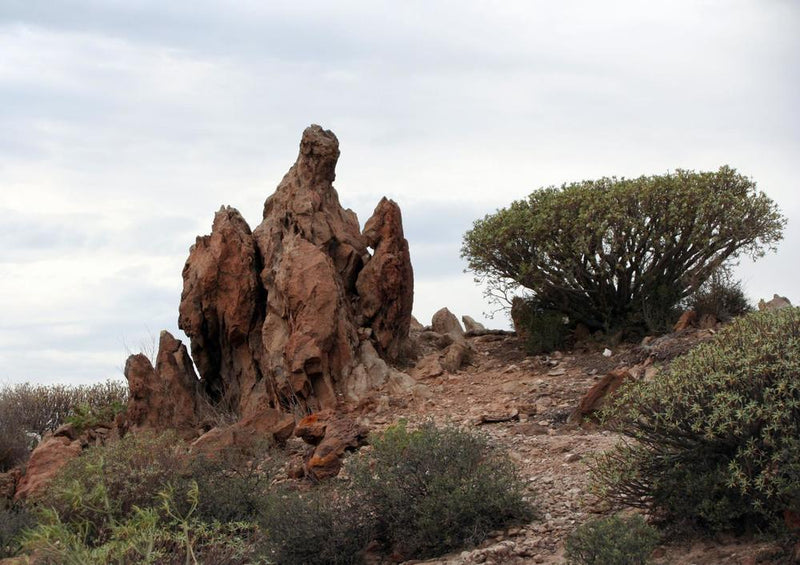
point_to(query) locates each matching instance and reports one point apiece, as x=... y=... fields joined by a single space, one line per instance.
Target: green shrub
x=611 y=541
x=716 y=440
x=27 y=409
x=163 y=534
x=325 y=526
x=622 y=253
x=436 y=489
x=104 y=484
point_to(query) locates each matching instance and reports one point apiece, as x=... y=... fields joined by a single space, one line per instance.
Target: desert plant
x=716 y=440
x=106 y=483
x=611 y=541
x=435 y=489
x=621 y=253
x=28 y=411
x=329 y=525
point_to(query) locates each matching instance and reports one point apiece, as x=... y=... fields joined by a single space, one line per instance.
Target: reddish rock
x=270 y=425
x=686 y=320
x=222 y=308
x=167 y=396
x=45 y=462
x=341 y=435
x=386 y=284
x=472 y=326
x=597 y=396
x=311 y=429
x=456 y=355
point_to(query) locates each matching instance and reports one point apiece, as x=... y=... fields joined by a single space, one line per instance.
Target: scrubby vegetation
x=28 y=411
x=147 y=499
x=622 y=253
x=716 y=441
x=614 y=540
x=721 y=296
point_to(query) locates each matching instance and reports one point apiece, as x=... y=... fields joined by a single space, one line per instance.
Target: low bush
x=433 y=490
x=716 y=440
x=106 y=483
x=325 y=526
x=611 y=541
x=28 y=411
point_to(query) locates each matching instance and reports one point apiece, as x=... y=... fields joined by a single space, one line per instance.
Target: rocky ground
x=523 y=403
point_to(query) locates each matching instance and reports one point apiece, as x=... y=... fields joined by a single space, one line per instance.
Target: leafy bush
x=105 y=483
x=163 y=534
x=436 y=489
x=611 y=541
x=621 y=253
x=326 y=526
x=717 y=439
x=720 y=296
x=27 y=409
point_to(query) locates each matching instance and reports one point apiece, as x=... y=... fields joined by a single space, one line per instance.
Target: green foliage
x=141 y=500
x=716 y=440
x=543 y=331
x=27 y=409
x=621 y=253
x=86 y=416
x=437 y=489
x=106 y=483
x=163 y=534
x=611 y=541
x=720 y=296
x=325 y=526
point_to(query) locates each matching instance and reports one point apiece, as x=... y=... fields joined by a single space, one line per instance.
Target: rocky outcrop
x=445 y=322
x=295 y=316
x=776 y=303
x=332 y=437
x=386 y=284
x=166 y=396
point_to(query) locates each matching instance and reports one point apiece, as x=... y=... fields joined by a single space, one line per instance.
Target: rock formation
x=292 y=317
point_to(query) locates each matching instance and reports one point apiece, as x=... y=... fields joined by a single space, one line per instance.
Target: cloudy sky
x=126 y=124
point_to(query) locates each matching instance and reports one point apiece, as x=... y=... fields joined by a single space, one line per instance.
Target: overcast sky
x=126 y=124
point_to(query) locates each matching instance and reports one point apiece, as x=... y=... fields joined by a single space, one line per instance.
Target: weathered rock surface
x=472 y=326
x=687 y=320
x=332 y=436
x=166 y=396
x=46 y=461
x=776 y=303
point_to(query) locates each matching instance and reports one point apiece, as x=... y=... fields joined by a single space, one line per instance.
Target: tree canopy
x=613 y=253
